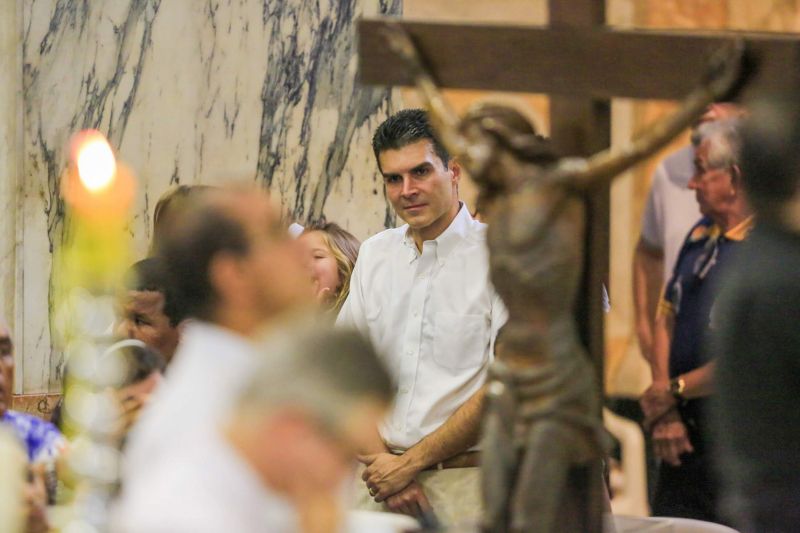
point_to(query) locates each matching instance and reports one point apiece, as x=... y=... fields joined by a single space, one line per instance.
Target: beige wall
x=626 y=371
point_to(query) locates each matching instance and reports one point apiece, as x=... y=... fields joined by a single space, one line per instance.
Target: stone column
x=11 y=170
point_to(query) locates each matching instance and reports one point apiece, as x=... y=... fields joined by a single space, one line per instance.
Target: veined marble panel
x=194 y=91
x=11 y=168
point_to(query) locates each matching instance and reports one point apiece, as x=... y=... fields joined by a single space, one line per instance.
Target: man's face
x=313 y=455
x=421 y=188
x=713 y=187
x=142 y=318
x=6 y=369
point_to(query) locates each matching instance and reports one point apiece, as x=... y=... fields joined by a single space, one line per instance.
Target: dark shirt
x=757 y=349
x=690 y=293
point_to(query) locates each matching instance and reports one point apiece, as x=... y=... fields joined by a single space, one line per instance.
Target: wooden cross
x=582 y=64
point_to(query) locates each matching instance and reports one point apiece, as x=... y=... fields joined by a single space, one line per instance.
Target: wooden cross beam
x=582 y=64
x=569 y=61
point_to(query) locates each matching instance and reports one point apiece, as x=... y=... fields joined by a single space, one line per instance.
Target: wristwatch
x=676 y=387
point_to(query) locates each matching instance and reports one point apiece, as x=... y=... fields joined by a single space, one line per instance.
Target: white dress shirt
x=433 y=316
x=212 y=489
x=208 y=371
x=207 y=489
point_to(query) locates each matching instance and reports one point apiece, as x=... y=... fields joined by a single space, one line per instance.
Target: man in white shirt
x=236 y=270
x=278 y=461
x=422 y=294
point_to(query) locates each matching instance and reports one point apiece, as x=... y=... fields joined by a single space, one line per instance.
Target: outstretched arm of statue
x=725 y=76
x=443 y=118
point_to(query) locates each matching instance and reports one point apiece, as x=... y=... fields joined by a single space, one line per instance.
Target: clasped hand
x=671 y=439
x=386 y=474
x=390 y=478
x=656 y=401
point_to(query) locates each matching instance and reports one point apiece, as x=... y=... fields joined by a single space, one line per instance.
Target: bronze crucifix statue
x=542 y=425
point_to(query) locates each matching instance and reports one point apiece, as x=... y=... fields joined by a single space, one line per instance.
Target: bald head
x=225 y=255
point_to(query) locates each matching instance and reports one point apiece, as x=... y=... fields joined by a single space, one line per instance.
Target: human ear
x=455 y=168
x=736 y=179
x=736 y=176
x=224 y=274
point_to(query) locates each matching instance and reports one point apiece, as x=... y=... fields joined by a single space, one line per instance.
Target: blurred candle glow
x=96 y=186
x=96 y=163
x=98 y=193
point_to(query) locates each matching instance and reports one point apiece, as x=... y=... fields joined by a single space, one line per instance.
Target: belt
x=462 y=460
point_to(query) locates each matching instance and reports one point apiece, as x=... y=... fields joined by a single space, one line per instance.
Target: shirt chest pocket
x=460 y=341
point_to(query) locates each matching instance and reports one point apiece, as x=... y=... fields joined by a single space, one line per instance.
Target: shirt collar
x=449 y=239
x=202 y=337
x=741 y=230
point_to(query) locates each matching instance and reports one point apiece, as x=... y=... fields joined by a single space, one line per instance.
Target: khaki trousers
x=454 y=493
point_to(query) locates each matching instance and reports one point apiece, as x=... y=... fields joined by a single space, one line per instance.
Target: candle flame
x=97 y=166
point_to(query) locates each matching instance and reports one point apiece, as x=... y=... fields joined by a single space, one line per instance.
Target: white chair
x=686 y=525
x=635 y=524
x=630 y=488
x=377 y=522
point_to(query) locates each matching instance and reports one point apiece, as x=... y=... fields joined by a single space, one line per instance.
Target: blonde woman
x=331 y=254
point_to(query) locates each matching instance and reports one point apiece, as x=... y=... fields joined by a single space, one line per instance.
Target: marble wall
x=189 y=92
x=198 y=91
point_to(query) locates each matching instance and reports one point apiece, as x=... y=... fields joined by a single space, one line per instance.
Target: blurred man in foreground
x=278 y=461
x=758 y=342
x=236 y=271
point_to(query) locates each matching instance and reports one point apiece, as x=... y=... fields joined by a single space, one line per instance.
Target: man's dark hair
x=770 y=155
x=403 y=128
x=149 y=275
x=205 y=229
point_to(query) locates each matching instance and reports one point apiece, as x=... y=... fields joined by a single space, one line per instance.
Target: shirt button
x=416 y=314
x=404 y=390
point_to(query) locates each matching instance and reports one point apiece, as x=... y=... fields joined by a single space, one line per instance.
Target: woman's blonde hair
x=344 y=247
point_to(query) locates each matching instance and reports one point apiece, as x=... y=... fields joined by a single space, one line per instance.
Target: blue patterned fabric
x=41 y=439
